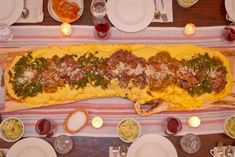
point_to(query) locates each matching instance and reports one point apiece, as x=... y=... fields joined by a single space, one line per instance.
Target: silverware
x=115 y=151
x=157 y=13
x=123 y=151
x=163 y=13
x=25 y=12
x=220 y=152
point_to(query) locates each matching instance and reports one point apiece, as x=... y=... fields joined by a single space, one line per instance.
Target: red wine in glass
x=172 y=126
x=229 y=33
x=102 y=28
x=45 y=127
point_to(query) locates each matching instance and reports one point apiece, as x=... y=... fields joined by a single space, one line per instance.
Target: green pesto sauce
x=203 y=64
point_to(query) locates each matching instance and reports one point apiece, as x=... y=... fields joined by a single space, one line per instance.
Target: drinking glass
x=98 y=8
x=172 y=125
x=229 y=33
x=190 y=143
x=45 y=127
x=63 y=144
x=102 y=28
x=5 y=32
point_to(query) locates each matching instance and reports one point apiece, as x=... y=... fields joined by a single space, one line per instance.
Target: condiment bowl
x=11 y=129
x=229 y=126
x=187 y=3
x=128 y=130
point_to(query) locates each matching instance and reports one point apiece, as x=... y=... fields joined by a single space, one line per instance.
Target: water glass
x=102 y=28
x=229 y=33
x=45 y=127
x=98 y=8
x=172 y=125
x=190 y=143
x=5 y=32
x=63 y=144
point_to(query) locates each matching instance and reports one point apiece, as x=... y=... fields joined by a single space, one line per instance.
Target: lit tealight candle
x=194 y=121
x=189 y=29
x=66 y=28
x=97 y=122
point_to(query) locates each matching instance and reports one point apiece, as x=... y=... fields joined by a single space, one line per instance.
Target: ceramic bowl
x=229 y=126
x=187 y=3
x=12 y=123
x=128 y=130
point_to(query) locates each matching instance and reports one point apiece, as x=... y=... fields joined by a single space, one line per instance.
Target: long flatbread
x=170 y=98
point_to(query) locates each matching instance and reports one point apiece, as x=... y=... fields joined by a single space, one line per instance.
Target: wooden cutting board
x=8 y=54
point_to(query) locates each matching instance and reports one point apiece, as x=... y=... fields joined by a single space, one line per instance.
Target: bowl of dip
x=229 y=126
x=11 y=129
x=128 y=130
x=187 y=3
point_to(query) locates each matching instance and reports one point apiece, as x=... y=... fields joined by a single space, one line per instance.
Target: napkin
x=35 y=12
x=168 y=8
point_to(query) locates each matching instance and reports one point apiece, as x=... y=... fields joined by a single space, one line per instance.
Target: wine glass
x=229 y=33
x=98 y=8
x=190 y=143
x=172 y=125
x=45 y=127
x=102 y=28
x=5 y=32
x=63 y=144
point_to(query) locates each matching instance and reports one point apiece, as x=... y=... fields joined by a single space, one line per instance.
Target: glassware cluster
x=101 y=23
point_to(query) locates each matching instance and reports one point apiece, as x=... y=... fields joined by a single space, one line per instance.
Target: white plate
x=10 y=11
x=130 y=15
x=55 y=17
x=31 y=147
x=230 y=8
x=152 y=145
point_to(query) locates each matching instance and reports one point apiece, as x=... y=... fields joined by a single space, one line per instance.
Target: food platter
x=151 y=144
x=130 y=15
x=10 y=11
x=12 y=104
x=29 y=147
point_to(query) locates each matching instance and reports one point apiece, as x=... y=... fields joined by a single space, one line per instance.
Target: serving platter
x=11 y=105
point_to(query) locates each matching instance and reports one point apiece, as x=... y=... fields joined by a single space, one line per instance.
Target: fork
x=220 y=151
x=163 y=13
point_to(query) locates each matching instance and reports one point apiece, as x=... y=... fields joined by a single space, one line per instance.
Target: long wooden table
x=204 y=13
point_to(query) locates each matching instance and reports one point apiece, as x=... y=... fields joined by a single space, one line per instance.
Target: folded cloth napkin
x=35 y=12
x=168 y=8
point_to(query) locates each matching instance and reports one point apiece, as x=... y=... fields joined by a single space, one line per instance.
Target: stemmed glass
x=229 y=33
x=98 y=8
x=5 y=32
x=102 y=25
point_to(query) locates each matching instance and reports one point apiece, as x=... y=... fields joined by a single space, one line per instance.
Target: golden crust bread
x=174 y=98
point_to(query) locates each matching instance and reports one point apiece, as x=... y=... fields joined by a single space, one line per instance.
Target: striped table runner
x=115 y=109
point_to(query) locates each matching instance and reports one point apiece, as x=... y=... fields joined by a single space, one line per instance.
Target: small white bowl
x=182 y=3
x=128 y=122
x=2 y=134
x=227 y=121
